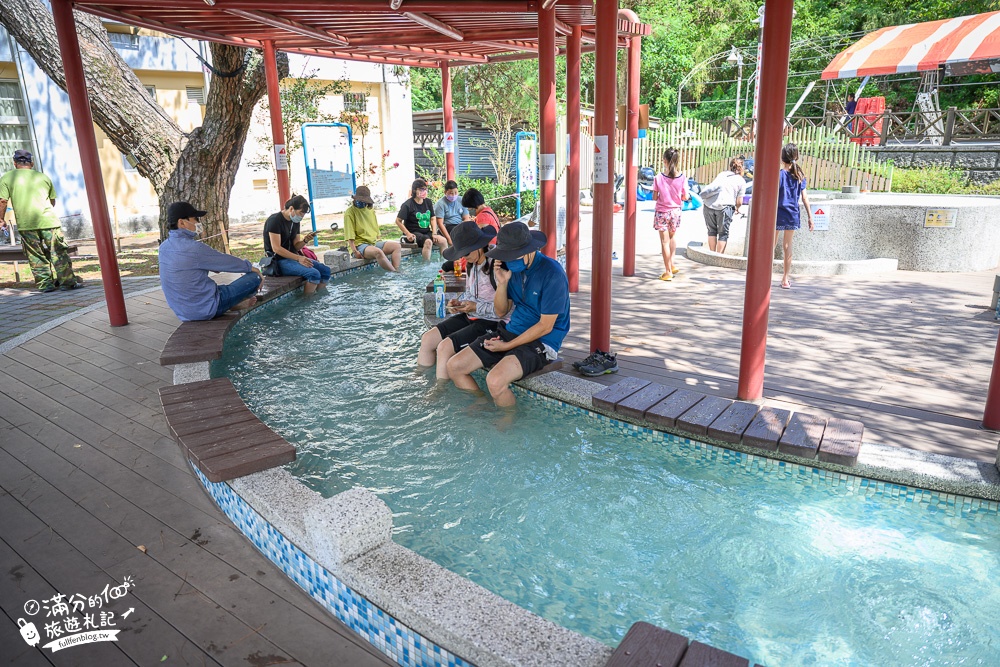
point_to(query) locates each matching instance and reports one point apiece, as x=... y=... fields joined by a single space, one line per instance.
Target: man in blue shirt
x=184 y=266
x=449 y=211
x=536 y=289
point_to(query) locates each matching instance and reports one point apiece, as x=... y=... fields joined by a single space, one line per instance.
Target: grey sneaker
x=607 y=363
x=596 y=355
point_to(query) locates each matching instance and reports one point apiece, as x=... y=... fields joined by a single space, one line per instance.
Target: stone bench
x=192 y=342
x=646 y=645
x=699 y=415
x=218 y=433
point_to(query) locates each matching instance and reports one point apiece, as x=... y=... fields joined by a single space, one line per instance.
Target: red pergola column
x=277 y=127
x=991 y=415
x=631 y=152
x=604 y=173
x=573 y=168
x=83 y=122
x=547 y=126
x=449 y=120
x=764 y=205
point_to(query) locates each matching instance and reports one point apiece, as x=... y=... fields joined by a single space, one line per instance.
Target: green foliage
x=492 y=192
x=940 y=181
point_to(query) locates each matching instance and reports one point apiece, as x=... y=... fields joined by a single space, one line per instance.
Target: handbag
x=269 y=266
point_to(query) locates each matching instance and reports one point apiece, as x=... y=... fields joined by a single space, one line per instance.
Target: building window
x=14 y=130
x=260 y=184
x=196 y=94
x=151 y=90
x=124 y=40
x=128 y=166
x=355 y=102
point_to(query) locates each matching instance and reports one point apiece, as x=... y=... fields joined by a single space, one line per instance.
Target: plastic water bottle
x=439 y=294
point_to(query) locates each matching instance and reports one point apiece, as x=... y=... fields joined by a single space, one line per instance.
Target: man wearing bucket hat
x=534 y=291
x=33 y=197
x=475 y=314
x=361 y=231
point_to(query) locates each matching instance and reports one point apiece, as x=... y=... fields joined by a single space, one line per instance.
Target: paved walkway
x=89 y=474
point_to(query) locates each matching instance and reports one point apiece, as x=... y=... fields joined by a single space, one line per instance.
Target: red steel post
x=631 y=153
x=83 y=122
x=547 y=126
x=604 y=173
x=573 y=168
x=277 y=127
x=764 y=205
x=991 y=415
x=449 y=120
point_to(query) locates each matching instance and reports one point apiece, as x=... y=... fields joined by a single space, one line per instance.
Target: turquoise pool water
x=595 y=525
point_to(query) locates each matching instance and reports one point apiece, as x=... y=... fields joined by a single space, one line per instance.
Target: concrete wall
x=981 y=164
x=892 y=226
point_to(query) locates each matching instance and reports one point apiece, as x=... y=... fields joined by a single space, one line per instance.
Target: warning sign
x=601 y=159
x=821 y=217
x=280 y=157
x=449 y=142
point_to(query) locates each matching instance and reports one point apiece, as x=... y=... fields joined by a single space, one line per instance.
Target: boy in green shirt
x=32 y=196
x=361 y=230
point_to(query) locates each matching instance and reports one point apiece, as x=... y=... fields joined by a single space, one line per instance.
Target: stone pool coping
x=347 y=539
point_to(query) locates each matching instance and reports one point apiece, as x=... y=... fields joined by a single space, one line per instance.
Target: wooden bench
x=192 y=342
x=806 y=436
x=15 y=253
x=218 y=433
x=646 y=645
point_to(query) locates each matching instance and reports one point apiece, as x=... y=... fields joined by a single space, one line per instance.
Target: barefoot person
x=282 y=239
x=417 y=222
x=475 y=314
x=793 y=189
x=361 y=230
x=536 y=288
x=184 y=266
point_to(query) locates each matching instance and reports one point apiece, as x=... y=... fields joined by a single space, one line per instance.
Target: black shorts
x=462 y=330
x=531 y=355
x=422 y=238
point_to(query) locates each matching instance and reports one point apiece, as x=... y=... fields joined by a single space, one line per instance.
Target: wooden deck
x=908 y=354
x=89 y=472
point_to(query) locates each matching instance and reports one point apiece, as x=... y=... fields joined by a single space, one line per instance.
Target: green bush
x=939 y=181
x=496 y=195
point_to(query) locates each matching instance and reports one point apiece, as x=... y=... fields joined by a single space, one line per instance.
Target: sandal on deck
x=666 y=276
x=786 y=284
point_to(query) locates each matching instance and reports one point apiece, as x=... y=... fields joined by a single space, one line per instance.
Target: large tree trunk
x=199 y=167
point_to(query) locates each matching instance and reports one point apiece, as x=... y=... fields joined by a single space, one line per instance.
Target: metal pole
x=756 y=89
x=573 y=168
x=631 y=152
x=547 y=126
x=83 y=121
x=277 y=127
x=739 y=81
x=449 y=121
x=604 y=169
x=764 y=205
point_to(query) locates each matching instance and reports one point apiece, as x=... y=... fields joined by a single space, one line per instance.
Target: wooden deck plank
x=618 y=392
x=703 y=655
x=730 y=425
x=802 y=435
x=666 y=412
x=841 y=441
x=262 y=455
x=638 y=403
x=645 y=645
x=702 y=414
x=766 y=428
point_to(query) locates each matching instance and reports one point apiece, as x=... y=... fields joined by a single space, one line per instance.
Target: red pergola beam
x=160 y=26
x=407 y=62
x=434 y=24
x=355 y=6
x=290 y=26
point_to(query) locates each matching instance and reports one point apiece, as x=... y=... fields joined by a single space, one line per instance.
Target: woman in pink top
x=670 y=192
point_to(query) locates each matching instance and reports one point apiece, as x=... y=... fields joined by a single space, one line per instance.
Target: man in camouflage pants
x=32 y=196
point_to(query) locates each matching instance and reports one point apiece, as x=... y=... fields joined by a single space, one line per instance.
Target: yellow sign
x=941 y=217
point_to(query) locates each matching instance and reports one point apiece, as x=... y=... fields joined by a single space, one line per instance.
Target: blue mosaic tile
x=396 y=640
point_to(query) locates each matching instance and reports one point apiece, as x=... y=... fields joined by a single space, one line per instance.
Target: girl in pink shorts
x=670 y=192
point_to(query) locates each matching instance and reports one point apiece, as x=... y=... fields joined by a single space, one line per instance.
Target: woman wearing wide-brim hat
x=475 y=315
x=533 y=290
x=361 y=231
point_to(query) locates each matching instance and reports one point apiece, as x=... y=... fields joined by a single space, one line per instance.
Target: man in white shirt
x=719 y=213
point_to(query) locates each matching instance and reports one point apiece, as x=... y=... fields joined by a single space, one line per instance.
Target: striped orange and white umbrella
x=919 y=47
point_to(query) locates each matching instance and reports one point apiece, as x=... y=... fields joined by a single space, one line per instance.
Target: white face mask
x=297 y=218
x=199 y=228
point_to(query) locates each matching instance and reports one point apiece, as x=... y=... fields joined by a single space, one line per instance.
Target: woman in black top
x=283 y=240
x=417 y=222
